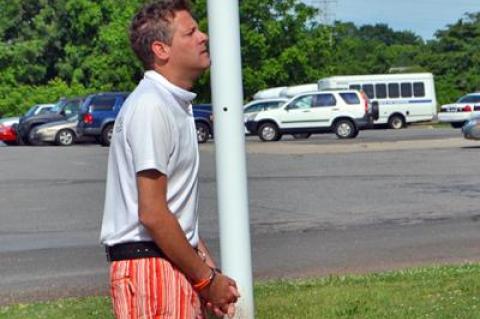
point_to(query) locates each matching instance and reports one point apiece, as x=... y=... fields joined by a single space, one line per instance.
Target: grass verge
x=433 y=292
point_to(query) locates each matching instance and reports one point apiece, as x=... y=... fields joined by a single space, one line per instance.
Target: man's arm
x=165 y=230
x=203 y=250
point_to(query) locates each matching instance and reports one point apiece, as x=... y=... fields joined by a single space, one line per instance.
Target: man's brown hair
x=152 y=23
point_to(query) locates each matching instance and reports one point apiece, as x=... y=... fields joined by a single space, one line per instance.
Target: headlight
x=250 y=117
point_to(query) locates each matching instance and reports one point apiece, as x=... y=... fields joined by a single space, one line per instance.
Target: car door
x=324 y=105
x=298 y=113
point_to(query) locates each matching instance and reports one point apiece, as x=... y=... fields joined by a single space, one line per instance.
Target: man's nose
x=204 y=37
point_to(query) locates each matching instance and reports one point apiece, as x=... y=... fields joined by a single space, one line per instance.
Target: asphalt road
x=385 y=200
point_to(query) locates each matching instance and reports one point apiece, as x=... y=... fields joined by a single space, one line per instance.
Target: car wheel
x=396 y=122
x=301 y=136
x=345 y=129
x=107 y=135
x=355 y=134
x=203 y=132
x=65 y=137
x=32 y=140
x=269 y=132
x=457 y=124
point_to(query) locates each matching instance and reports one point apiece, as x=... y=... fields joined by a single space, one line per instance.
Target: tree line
x=55 y=48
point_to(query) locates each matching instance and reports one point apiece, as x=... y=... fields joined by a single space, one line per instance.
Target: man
x=160 y=268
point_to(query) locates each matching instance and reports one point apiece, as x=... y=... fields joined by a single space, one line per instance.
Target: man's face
x=188 y=49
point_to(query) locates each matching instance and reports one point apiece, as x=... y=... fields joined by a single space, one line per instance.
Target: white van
x=402 y=98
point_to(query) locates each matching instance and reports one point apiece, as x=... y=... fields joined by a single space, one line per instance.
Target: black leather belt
x=134 y=250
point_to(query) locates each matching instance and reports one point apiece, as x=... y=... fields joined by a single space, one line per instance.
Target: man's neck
x=174 y=78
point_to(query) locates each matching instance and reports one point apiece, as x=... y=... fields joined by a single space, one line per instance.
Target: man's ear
x=161 y=50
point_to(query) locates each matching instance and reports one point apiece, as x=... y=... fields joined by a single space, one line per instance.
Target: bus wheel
x=396 y=122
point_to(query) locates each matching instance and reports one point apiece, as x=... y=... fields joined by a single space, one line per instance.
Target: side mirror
x=62 y=112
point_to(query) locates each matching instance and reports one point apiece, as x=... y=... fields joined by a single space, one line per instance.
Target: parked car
x=459 y=113
x=63 y=133
x=8 y=125
x=64 y=109
x=343 y=112
x=203 y=121
x=7 y=132
x=251 y=109
x=471 y=130
x=98 y=113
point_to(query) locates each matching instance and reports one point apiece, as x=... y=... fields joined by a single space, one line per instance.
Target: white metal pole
x=227 y=98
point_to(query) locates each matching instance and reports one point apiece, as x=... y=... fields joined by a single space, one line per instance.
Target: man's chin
x=206 y=64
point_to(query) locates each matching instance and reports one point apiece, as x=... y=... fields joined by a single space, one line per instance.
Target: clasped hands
x=221 y=295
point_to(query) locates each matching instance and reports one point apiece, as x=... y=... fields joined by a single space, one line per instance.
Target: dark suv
x=64 y=109
x=97 y=115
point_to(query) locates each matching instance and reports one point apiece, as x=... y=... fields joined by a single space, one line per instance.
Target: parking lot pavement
x=347 y=211
x=294 y=147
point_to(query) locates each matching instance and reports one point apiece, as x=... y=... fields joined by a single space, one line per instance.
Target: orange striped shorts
x=151 y=288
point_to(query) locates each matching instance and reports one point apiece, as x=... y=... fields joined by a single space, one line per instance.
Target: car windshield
x=45 y=109
x=32 y=110
x=470 y=99
x=263 y=106
x=58 y=106
x=253 y=108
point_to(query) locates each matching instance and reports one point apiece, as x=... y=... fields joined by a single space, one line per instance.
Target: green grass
x=434 y=292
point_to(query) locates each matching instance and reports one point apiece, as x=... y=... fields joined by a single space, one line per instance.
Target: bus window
x=381 y=91
x=393 y=90
x=418 y=89
x=406 y=89
x=368 y=89
x=355 y=87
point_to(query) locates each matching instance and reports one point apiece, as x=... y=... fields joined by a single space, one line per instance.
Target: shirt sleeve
x=150 y=138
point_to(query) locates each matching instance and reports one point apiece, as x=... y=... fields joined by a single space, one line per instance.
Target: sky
x=423 y=17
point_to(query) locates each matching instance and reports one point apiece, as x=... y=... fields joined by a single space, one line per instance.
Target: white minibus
x=402 y=98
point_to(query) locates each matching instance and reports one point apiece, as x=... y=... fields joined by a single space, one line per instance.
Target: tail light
x=88 y=118
x=467 y=108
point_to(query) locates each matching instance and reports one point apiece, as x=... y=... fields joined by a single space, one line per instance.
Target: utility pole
x=227 y=98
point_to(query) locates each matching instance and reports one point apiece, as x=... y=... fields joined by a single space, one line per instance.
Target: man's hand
x=228 y=310
x=221 y=295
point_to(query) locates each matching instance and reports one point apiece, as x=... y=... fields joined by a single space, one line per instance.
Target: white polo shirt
x=155 y=129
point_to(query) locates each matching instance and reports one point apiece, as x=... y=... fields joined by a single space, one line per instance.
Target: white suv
x=343 y=112
x=457 y=114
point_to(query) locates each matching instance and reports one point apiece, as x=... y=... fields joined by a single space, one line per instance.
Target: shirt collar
x=181 y=94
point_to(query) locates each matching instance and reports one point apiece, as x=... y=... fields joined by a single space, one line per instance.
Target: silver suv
x=343 y=112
